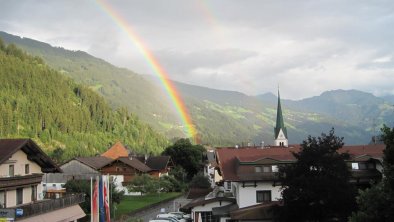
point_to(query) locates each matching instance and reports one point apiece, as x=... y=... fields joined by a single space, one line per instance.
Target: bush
x=200 y=181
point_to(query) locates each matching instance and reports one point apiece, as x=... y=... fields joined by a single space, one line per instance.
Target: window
x=263 y=196
x=124 y=169
x=33 y=193
x=2 y=199
x=370 y=166
x=266 y=169
x=11 y=170
x=27 y=170
x=257 y=169
x=228 y=185
x=19 y=196
x=362 y=166
x=117 y=169
x=208 y=217
x=274 y=168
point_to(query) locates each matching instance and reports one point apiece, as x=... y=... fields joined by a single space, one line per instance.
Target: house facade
x=22 y=166
x=248 y=176
x=117 y=161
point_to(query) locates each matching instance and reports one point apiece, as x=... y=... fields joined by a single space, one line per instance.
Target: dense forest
x=64 y=118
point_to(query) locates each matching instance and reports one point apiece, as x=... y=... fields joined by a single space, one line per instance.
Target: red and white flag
x=106 y=198
x=94 y=200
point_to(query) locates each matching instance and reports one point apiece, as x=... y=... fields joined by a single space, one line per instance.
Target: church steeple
x=280 y=130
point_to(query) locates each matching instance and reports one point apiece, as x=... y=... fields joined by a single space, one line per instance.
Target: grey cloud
x=249 y=46
x=185 y=62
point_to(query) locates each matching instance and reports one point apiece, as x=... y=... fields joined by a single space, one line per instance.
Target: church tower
x=280 y=130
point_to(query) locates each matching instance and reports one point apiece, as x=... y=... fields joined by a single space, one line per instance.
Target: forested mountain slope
x=62 y=116
x=120 y=87
x=223 y=118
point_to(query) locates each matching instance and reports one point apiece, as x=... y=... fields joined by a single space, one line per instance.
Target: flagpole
x=109 y=198
x=91 y=199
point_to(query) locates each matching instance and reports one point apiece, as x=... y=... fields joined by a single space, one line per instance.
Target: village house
x=249 y=185
x=22 y=197
x=117 y=161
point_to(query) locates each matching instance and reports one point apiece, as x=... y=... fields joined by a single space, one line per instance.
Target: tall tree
x=316 y=187
x=186 y=155
x=377 y=203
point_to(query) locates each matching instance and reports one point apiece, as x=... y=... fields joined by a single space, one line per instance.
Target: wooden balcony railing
x=44 y=206
x=17 y=181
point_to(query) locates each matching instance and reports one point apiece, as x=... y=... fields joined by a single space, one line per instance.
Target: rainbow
x=159 y=71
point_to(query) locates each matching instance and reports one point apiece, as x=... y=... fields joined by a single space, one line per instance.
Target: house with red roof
x=249 y=185
x=117 y=161
x=249 y=178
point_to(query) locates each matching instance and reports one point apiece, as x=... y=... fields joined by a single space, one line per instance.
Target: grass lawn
x=132 y=203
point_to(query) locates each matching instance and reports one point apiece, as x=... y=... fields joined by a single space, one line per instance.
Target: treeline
x=65 y=118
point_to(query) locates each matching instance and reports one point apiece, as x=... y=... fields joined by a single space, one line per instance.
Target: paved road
x=172 y=205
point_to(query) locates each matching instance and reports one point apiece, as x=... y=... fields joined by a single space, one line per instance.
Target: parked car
x=180 y=215
x=162 y=220
x=171 y=217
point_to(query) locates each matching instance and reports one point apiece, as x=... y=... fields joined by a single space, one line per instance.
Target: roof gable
x=95 y=162
x=135 y=163
x=116 y=151
x=158 y=162
x=34 y=153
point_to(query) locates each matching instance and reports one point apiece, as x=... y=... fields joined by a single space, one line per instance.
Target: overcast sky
x=306 y=47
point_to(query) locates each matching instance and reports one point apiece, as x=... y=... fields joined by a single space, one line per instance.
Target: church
x=245 y=178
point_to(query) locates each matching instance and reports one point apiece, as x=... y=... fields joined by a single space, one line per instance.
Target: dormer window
x=363 y=166
x=275 y=168
x=257 y=169
x=267 y=169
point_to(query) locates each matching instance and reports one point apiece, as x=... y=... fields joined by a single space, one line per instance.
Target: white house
x=249 y=177
x=22 y=164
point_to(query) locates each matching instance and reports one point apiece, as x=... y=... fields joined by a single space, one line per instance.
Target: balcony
x=269 y=176
x=44 y=206
x=365 y=176
x=16 y=181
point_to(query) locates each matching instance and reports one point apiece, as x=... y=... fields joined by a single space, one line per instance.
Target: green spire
x=280 y=124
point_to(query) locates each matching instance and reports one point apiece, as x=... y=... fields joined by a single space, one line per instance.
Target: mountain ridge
x=65 y=118
x=224 y=117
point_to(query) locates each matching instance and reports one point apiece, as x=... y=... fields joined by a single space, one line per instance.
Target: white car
x=180 y=215
x=170 y=217
x=161 y=220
